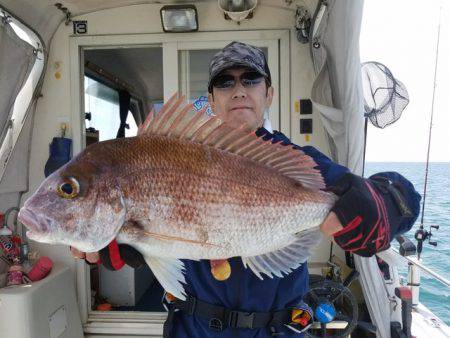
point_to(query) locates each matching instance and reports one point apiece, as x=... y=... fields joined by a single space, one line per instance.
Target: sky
x=402 y=35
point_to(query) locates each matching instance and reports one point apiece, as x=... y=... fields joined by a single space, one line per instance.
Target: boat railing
x=415 y=266
x=414 y=261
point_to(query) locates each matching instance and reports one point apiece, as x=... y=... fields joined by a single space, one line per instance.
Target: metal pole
x=422 y=267
x=431 y=119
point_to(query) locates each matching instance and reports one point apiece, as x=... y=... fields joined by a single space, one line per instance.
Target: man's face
x=240 y=104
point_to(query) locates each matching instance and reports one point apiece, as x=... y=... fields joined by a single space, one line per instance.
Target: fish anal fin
x=287 y=259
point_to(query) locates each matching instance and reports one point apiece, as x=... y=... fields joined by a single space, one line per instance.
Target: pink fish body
x=187 y=187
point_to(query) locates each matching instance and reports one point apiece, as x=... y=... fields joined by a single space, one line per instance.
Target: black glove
x=114 y=256
x=373 y=211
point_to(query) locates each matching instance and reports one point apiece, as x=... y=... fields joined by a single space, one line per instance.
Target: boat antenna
x=422 y=235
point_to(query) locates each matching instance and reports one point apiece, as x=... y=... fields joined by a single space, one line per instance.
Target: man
x=368 y=214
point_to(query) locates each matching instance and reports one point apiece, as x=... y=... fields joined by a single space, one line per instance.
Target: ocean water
x=433 y=294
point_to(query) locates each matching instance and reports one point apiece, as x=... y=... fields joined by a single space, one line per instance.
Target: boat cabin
x=64 y=69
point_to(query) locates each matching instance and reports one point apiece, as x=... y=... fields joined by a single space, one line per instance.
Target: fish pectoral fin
x=169 y=273
x=287 y=259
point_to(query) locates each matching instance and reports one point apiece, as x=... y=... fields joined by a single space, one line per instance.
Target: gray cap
x=238 y=54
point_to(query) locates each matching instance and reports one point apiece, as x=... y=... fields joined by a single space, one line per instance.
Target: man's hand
x=113 y=256
x=370 y=212
x=331 y=224
x=91 y=257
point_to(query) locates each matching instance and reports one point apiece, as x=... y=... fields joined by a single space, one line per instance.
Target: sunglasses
x=247 y=79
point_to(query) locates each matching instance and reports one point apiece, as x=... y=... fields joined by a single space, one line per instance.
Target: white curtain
x=337 y=90
x=16 y=62
x=17 y=59
x=15 y=178
x=337 y=95
x=40 y=15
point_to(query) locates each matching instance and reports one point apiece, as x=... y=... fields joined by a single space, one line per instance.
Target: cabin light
x=237 y=10
x=179 y=18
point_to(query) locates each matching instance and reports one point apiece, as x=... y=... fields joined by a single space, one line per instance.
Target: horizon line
x=387 y=161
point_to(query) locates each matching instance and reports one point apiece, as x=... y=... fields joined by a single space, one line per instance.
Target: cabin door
x=151 y=67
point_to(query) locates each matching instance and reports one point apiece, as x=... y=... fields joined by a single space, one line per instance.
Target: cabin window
x=103 y=112
x=194 y=71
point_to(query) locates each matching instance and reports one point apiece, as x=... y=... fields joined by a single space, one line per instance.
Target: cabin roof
x=44 y=17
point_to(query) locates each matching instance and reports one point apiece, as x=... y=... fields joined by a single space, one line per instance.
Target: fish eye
x=69 y=188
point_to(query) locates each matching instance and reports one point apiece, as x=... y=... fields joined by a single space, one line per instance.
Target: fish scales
x=174 y=198
x=211 y=196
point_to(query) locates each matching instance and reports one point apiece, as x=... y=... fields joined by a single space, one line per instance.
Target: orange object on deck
x=104 y=307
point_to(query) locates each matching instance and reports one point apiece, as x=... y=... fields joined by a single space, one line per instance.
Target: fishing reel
x=422 y=235
x=335 y=308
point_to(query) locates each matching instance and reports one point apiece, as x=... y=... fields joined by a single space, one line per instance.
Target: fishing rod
x=421 y=234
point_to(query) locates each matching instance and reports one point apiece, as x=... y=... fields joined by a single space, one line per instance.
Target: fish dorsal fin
x=178 y=119
x=287 y=259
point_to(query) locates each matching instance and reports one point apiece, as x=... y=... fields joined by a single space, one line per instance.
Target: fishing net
x=385 y=97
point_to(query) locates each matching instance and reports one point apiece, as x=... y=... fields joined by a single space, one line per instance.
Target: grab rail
x=414 y=261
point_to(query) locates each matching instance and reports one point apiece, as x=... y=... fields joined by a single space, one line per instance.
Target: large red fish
x=187 y=187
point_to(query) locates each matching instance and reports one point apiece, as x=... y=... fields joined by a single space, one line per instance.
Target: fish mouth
x=34 y=222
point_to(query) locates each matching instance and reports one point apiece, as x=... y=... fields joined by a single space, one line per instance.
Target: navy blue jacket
x=243 y=290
